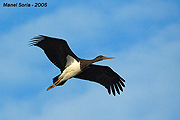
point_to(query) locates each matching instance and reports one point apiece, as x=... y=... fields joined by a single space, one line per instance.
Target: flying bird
x=59 y=53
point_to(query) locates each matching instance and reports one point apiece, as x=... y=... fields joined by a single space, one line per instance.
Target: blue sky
x=143 y=35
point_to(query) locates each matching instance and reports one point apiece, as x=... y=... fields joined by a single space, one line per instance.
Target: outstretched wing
x=105 y=76
x=56 y=49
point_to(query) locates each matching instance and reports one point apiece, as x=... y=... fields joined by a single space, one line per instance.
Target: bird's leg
x=54 y=84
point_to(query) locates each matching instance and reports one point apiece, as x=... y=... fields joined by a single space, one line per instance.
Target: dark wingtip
x=38 y=37
x=120 y=87
x=35 y=40
x=117 y=89
x=113 y=90
x=122 y=79
x=122 y=83
x=109 y=90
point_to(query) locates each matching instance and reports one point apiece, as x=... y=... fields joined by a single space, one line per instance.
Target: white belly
x=71 y=70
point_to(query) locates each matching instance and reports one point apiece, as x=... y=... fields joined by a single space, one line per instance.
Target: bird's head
x=101 y=57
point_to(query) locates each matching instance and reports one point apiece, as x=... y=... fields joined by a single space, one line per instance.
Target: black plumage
x=103 y=75
x=57 y=51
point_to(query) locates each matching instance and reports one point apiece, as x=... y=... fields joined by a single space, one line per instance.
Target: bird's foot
x=50 y=87
x=54 y=85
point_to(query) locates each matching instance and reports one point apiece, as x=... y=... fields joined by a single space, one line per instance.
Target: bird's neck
x=85 y=63
x=94 y=60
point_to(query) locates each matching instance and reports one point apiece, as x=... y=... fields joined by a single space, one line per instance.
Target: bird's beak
x=108 y=58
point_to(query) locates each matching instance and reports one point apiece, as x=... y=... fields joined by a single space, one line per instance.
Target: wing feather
x=55 y=49
x=103 y=75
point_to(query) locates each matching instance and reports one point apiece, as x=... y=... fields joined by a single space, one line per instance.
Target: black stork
x=59 y=53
